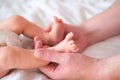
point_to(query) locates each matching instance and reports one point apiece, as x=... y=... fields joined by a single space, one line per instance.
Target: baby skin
x=67 y=45
x=20 y=25
x=16 y=57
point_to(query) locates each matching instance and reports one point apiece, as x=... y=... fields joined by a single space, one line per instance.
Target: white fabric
x=8 y=38
x=71 y=11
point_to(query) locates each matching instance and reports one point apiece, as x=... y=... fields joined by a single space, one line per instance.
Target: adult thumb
x=49 y=55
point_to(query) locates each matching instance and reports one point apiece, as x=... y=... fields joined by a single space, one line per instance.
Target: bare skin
x=80 y=38
x=16 y=57
x=67 y=45
x=20 y=25
x=79 y=66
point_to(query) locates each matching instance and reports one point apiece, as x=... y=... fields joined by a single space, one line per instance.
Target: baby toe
x=69 y=36
x=71 y=43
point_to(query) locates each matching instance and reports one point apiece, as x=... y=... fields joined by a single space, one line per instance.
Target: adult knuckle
x=46 y=53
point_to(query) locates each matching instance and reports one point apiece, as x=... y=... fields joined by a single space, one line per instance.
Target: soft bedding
x=41 y=13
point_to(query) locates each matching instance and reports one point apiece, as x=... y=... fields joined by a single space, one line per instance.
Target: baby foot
x=67 y=45
x=56 y=33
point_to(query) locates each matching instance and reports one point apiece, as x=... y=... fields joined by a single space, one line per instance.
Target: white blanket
x=41 y=13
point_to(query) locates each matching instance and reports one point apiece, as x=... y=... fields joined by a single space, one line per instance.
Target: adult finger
x=50 y=70
x=37 y=42
x=49 y=55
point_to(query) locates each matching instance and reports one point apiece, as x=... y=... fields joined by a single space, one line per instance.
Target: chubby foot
x=67 y=45
x=56 y=31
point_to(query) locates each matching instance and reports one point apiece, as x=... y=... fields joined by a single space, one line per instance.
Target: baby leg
x=20 y=25
x=15 y=57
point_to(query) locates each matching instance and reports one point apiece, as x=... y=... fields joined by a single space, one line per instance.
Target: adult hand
x=60 y=29
x=66 y=66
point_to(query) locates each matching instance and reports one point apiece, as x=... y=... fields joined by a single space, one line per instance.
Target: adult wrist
x=105 y=70
x=90 y=71
x=112 y=65
x=101 y=70
x=87 y=32
x=91 y=32
x=93 y=71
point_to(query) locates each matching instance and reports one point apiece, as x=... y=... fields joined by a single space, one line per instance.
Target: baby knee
x=15 y=18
